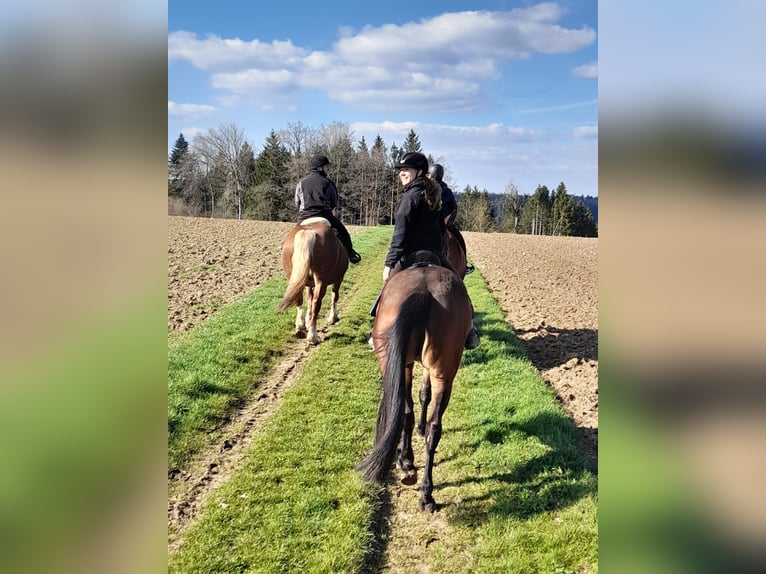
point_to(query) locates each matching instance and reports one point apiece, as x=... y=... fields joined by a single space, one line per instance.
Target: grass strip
x=296 y=505
x=216 y=367
x=512 y=483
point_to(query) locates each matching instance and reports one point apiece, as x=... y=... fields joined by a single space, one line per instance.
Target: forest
x=219 y=174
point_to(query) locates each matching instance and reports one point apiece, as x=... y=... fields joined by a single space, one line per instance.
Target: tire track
x=188 y=489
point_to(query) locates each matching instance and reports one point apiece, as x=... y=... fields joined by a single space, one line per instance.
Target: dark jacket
x=415 y=225
x=315 y=195
x=449 y=203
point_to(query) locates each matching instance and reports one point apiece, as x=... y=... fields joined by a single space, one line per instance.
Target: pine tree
x=583 y=224
x=411 y=142
x=270 y=195
x=562 y=211
x=180 y=150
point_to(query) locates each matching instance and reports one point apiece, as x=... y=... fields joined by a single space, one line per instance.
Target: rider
x=418 y=224
x=316 y=196
x=449 y=208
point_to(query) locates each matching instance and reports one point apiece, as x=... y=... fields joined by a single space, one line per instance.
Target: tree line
x=219 y=174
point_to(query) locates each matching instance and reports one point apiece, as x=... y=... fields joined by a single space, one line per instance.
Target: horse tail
x=303 y=247
x=413 y=314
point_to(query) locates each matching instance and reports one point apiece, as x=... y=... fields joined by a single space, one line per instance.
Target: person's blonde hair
x=432 y=193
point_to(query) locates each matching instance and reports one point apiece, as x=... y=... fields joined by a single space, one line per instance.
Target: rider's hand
x=386 y=273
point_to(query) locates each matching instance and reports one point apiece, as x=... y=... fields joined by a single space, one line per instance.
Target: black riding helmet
x=319 y=161
x=437 y=171
x=415 y=160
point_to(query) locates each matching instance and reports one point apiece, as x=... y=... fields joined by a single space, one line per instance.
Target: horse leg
x=333 y=317
x=406 y=462
x=425 y=399
x=300 y=321
x=316 y=306
x=433 y=436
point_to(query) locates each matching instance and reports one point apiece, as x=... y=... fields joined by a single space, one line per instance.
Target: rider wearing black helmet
x=418 y=223
x=449 y=207
x=316 y=196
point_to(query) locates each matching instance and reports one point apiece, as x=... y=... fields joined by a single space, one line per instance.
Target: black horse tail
x=413 y=314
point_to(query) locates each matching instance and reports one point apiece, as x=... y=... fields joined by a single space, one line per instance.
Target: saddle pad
x=311 y=220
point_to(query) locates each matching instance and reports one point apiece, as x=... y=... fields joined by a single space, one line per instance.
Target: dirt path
x=188 y=489
x=547 y=286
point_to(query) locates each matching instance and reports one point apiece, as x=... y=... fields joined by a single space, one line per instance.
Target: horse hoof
x=428 y=506
x=409 y=477
x=300 y=334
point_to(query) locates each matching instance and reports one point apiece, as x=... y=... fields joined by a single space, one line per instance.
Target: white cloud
x=433 y=64
x=560 y=107
x=585 y=132
x=220 y=53
x=589 y=71
x=189 y=110
x=492 y=155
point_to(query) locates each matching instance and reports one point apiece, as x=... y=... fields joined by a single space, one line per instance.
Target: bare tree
x=223 y=146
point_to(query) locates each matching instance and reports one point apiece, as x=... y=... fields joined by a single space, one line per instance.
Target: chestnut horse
x=424 y=314
x=313 y=258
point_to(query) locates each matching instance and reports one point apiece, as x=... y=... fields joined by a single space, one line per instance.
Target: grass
x=512 y=484
x=217 y=366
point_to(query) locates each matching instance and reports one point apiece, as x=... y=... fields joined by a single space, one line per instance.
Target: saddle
x=421 y=258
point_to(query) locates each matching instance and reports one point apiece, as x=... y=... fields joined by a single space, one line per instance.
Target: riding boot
x=353 y=256
x=472 y=341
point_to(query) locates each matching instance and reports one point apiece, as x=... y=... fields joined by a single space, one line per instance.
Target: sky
x=500 y=93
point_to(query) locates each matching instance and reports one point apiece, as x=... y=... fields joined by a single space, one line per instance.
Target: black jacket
x=415 y=225
x=449 y=203
x=315 y=195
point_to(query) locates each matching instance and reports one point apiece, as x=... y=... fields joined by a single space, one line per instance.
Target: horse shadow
x=559 y=477
x=554 y=480
x=550 y=347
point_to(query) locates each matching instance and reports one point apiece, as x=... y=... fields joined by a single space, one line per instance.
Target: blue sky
x=499 y=92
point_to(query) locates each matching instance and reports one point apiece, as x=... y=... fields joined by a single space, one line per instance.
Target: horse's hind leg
x=300 y=321
x=425 y=399
x=406 y=462
x=441 y=395
x=333 y=317
x=315 y=304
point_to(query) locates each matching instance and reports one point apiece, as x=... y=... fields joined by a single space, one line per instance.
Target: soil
x=547 y=287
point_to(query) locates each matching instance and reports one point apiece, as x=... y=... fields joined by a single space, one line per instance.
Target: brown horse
x=312 y=257
x=455 y=254
x=424 y=315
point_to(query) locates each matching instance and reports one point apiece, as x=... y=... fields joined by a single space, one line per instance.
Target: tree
x=180 y=149
x=177 y=169
x=562 y=211
x=222 y=150
x=411 y=143
x=583 y=224
x=271 y=190
x=509 y=209
x=535 y=216
x=474 y=210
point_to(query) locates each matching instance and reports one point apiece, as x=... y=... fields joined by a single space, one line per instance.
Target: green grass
x=512 y=484
x=215 y=368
